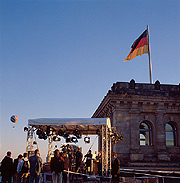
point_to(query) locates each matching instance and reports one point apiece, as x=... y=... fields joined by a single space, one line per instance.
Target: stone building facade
x=148 y=116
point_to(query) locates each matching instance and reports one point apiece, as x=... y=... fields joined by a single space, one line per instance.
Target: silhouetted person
x=57 y=167
x=99 y=162
x=23 y=168
x=115 y=168
x=79 y=156
x=66 y=166
x=15 y=174
x=35 y=167
x=7 y=168
x=88 y=161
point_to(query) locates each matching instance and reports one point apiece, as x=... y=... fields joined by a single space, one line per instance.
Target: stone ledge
x=150 y=164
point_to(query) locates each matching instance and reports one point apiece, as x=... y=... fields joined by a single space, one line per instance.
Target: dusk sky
x=59 y=58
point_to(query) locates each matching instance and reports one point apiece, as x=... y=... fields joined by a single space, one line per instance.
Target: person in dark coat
x=115 y=168
x=99 y=163
x=16 y=161
x=57 y=167
x=35 y=167
x=79 y=156
x=7 y=168
x=66 y=167
x=88 y=161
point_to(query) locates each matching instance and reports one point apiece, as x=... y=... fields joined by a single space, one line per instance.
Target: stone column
x=135 y=154
x=162 y=155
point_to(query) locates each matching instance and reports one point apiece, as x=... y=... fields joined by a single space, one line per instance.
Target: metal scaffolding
x=85 y=125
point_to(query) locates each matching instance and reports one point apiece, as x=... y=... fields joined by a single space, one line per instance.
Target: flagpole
x=149 y=54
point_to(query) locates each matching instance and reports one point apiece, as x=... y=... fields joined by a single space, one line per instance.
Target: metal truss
x=106 y=151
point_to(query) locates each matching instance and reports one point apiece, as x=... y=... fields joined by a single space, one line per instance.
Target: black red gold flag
x=139 y=47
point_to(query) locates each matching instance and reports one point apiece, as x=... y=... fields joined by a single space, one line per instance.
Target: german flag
x=139 y=47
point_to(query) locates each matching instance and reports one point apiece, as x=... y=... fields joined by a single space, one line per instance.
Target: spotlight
x=35 y=143
x=53 y=131
x=44 y=136
x=38 y=132
x=87 y=140
x=74 y=139
x=49 y=131
x=68 y=140
x=55 y=138
x=98 y=132
x=77 y=133
x=40 y=136
x=60 y=133
x=25 y=129
x=65 y=135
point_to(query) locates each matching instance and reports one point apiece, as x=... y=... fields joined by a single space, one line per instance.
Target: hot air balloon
x=14 y=118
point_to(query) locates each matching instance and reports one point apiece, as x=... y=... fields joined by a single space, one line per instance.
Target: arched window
x=145 y=134
x=170 y=135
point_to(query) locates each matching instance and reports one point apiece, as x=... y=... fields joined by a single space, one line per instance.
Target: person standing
x=57 y=167
x=19 y=166
x=70 y=160
x=79 y=156
x=15 y=175
x=99 y=163
x=115 y=168
x=66 y=166
x=88 y=161
x=7 y=168
x=23 y=168
x=35 y=167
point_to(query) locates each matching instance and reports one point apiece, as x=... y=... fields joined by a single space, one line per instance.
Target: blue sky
x=59 y=58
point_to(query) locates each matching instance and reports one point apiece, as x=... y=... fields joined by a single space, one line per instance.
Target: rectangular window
x=169 y=139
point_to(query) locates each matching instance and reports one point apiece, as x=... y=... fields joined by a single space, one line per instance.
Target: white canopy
x=86 y=125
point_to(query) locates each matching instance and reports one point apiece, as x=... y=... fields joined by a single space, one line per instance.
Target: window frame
x=174 y=131
x=149 y=131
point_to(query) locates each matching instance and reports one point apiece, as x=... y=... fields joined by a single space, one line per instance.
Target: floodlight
x=77 y=133
x=60 y=133
x=74 y=139
x=87 y=140
x=68 y=140
x=44 y=136
x=35 y=143
x=49 y=131
x=38 y=132
x=55 y=138
x=25 y=129
x=53 y=131
x=98 y=132
x=65 y=135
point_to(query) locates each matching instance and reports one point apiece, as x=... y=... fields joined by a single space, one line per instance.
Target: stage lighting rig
x=68 y=140
x=38 y=132
x=55 y=138
x=115 y=137
x=25 y=129
x=98 y=132
x=49 y=131
x=66 y=135
x=74 y=139
x=60 y=132
x=35 y=143
x=87 y=140
x=77 y=133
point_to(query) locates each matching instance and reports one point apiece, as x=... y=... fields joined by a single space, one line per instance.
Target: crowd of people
x=27 y=170
x=21 y=169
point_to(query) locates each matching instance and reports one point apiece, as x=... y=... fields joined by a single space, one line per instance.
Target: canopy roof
x=85 y=125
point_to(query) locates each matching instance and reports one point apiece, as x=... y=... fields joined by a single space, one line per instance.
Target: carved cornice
x=142 y=97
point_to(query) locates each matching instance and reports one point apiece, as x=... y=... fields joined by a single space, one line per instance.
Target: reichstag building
x=148 y=115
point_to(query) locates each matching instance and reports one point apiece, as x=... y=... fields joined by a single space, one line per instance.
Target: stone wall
x=128 y=104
